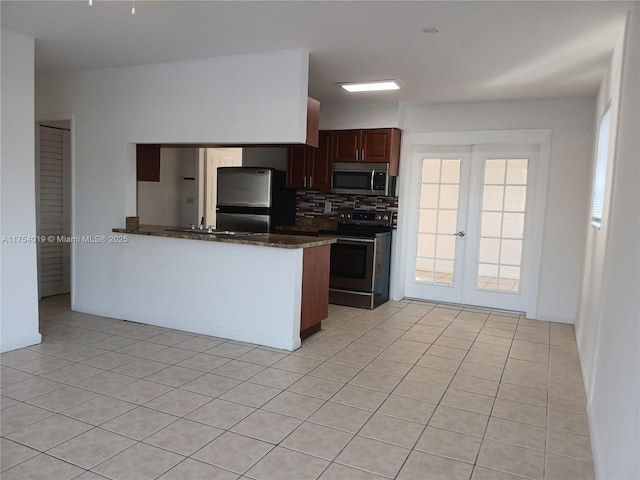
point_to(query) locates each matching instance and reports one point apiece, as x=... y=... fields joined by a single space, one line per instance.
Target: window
x=504 y=197
x=438 y=220
x=600 y=177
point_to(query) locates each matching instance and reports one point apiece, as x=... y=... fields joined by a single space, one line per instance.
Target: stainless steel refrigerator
x=253 y=199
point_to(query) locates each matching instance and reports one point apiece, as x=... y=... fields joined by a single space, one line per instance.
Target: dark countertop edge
x=261 y=240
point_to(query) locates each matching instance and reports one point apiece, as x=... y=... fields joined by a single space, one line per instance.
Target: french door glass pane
x=517 y=171
x=513 y=225
x=492 y=198
x=429 y=195
x=489 y=249
x=494 y=170
x=427 y=218
x=515 y=198
x=450 y=171
x=446 y=247
x=491 y=224
x=447 y=220
x=426 y=245
x=437 y=220
x=449 y=197
x=504 y=194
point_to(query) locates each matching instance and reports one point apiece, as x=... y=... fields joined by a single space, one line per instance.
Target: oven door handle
x=373 y=173
x=355 y=240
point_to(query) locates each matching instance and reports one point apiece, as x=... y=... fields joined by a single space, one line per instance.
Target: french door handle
x=459 y=234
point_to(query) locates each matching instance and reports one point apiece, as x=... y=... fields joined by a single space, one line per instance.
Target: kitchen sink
x=188 y=230
x=228 y=232
x=210 y=231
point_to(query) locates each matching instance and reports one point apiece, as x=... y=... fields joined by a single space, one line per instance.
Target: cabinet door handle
x=305 y=181
x=362 y=156
x=356 y=154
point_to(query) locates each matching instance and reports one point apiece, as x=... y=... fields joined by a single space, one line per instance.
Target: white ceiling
x=484 y=50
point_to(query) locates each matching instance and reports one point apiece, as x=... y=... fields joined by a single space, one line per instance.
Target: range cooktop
x=361 y=223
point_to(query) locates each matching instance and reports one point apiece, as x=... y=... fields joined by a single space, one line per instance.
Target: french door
x=470 y=208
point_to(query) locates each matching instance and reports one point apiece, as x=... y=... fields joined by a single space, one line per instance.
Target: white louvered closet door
x=54 y=218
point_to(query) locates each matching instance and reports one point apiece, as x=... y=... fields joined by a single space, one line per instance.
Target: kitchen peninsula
x=261 y=288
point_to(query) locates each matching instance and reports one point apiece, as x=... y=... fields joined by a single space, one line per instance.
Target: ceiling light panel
x=377 y=86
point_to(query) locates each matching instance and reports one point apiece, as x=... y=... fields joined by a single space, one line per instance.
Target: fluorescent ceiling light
x=376 y=86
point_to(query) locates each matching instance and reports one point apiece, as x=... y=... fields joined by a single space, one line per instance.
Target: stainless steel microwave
x=362 y=179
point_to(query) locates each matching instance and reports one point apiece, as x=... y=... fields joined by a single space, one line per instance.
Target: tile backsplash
x=311 y=203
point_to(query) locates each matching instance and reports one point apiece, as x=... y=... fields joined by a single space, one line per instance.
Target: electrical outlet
x=327 y=206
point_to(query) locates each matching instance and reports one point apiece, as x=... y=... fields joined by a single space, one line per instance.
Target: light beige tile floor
x=411 y=390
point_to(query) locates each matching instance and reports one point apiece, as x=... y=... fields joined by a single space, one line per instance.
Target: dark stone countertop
x=258 y=239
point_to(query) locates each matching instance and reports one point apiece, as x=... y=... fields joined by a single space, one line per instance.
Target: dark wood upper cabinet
x=346 y=145
x=379 y=145
x=148 y=162
x=297 y=167
x=321 y=163
x=308 y=167
x=376 y=145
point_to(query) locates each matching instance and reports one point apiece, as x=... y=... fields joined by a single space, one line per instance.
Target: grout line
x=364 y=322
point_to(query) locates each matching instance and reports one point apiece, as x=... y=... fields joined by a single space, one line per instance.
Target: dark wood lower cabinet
x=315 y=289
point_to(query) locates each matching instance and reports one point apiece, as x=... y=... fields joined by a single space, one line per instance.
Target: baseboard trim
x=555 y=319
x=22 y=342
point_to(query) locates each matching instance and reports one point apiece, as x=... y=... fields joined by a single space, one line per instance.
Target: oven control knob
x=386 y=217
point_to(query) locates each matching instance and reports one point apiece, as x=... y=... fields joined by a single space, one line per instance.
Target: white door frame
x=211 y=176
x=414 y=142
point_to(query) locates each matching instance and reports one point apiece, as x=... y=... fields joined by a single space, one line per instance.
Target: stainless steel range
x=360 y=259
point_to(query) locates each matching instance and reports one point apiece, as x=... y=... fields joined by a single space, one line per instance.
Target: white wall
x=570 y=121
x=243 y=292
x=365 y=115
x=269 y=157
x=213 y=100
x=159 y=202
x=567 y=207
x=608 y=327
x=590 y=312
x=18 y=269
